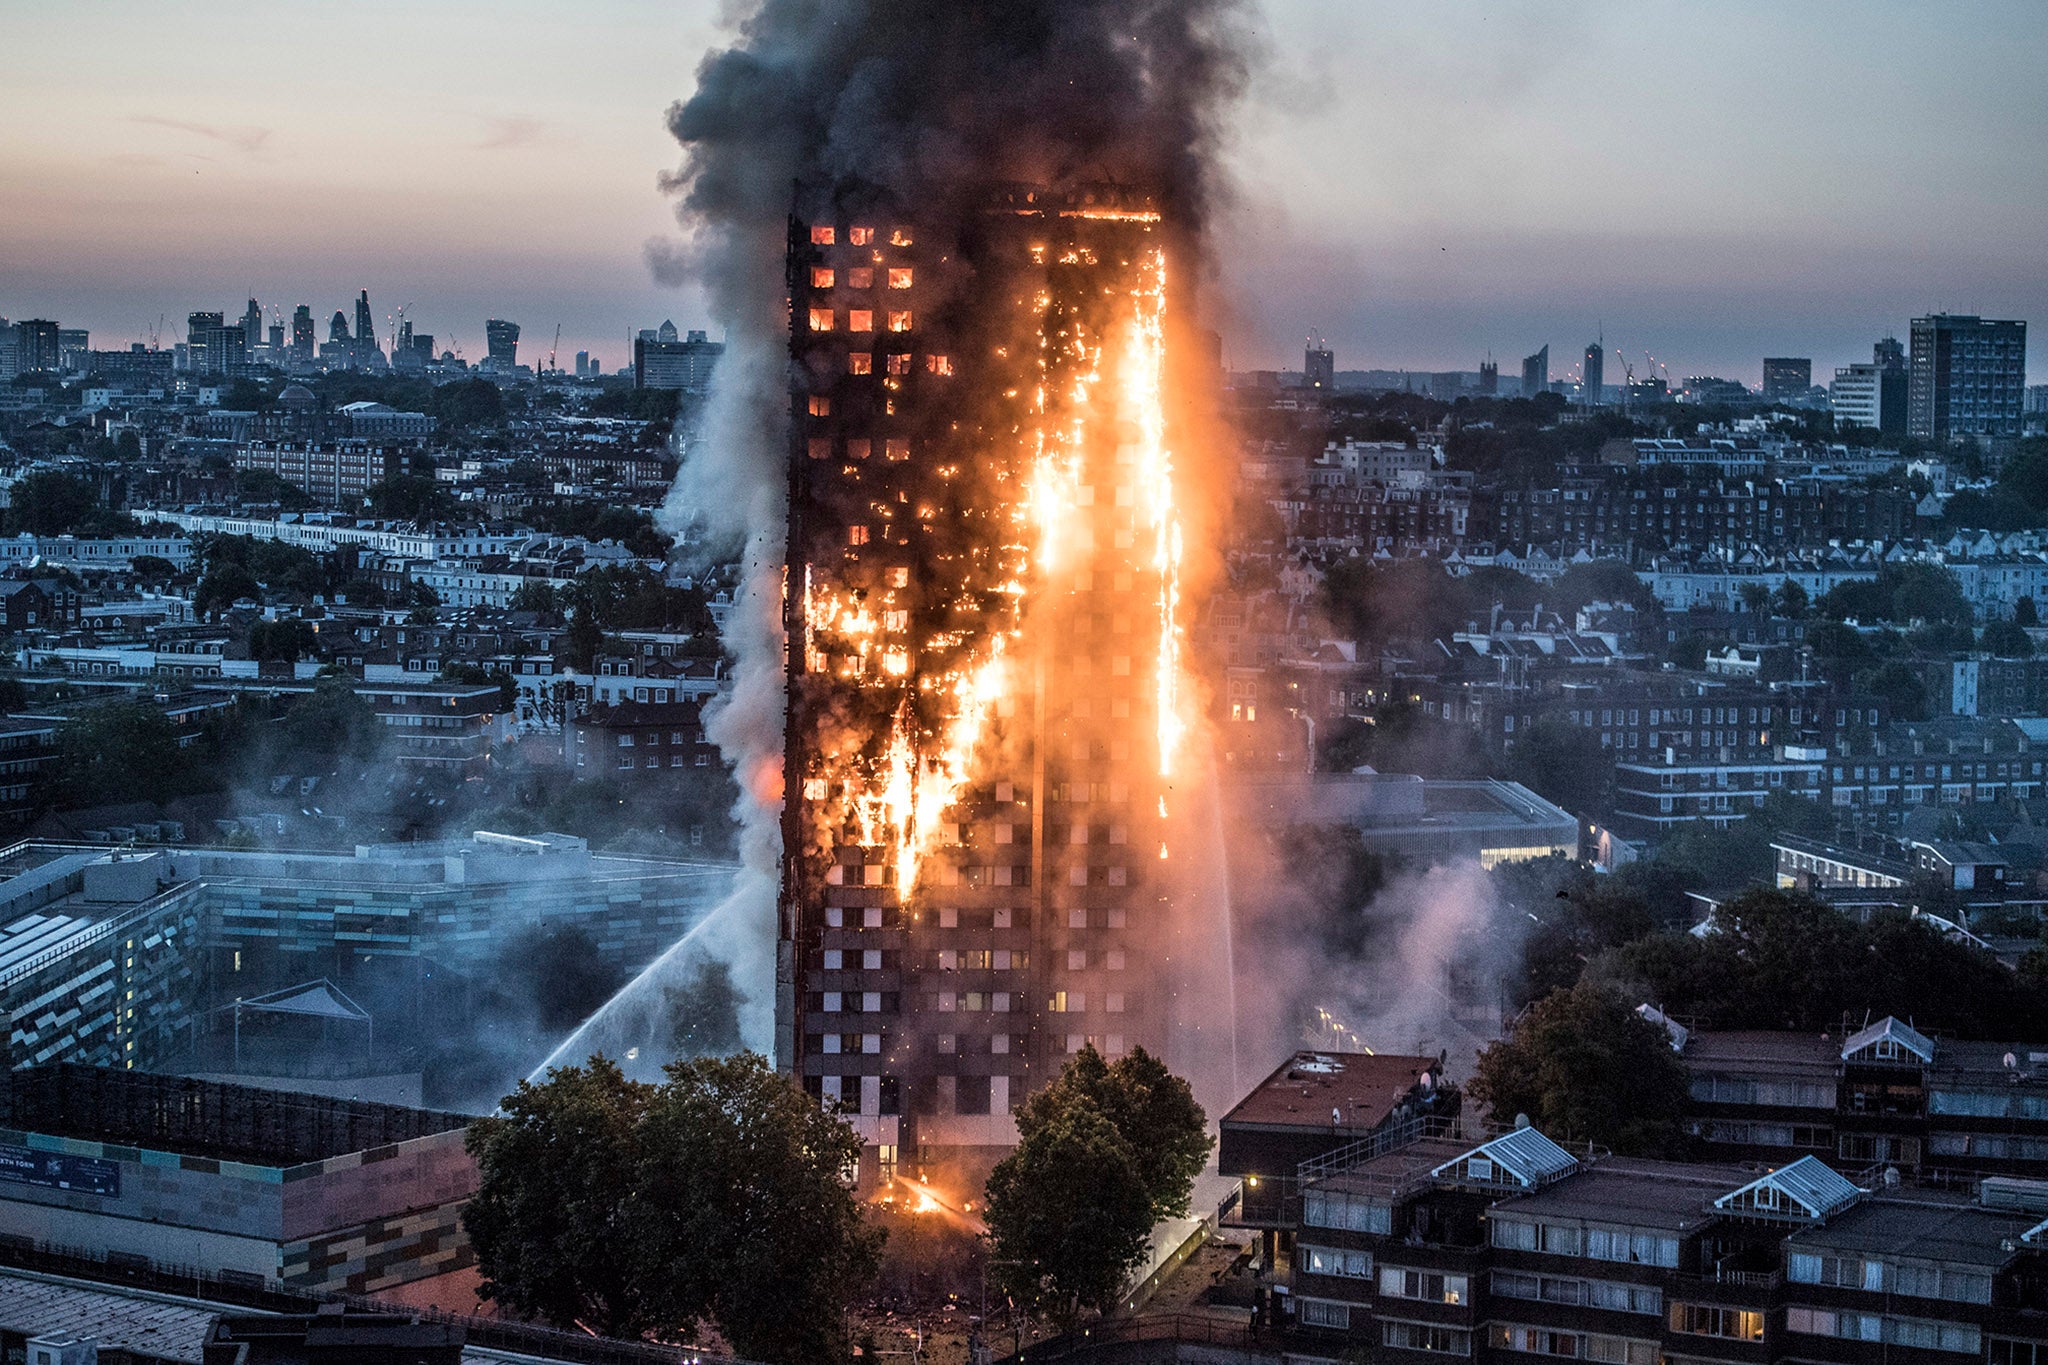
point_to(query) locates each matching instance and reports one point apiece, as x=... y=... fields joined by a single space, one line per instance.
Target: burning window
x=939 y=364
x=821 y=277
x=899 y=321
x=823 y=236
x=856 y=535
x=821 y=407
x=899 y=277
x=896 y=450
x=860 y=277
x=821 y=320
x=860 y=362
x=899 y=577
x=899 y=237
x=858 y=320
x=858 y=449
x=821 y=447
x=899 y=364
x=860 y=236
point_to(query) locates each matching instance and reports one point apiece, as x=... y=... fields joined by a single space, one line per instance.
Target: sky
x=1422 y=183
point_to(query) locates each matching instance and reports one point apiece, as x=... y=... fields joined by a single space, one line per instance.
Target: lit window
x=899 y=321
x=821 y=447
x=858 y=449
x=939 y=364
x=860 y=236
x=821 y=277
x=899 y=237
x=858 y=320
x=821 y=320
x=860 y=362
x=823 y=236
x=856 y=535
x=896 y=450
x=899 y=364
x=899 y=277
x=860 y=277
x=821 y=407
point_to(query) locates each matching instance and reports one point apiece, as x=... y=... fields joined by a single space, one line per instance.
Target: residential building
x=37 y=348
x=1968 y=377
x=640 y=743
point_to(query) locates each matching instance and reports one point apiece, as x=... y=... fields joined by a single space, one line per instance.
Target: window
x=899 y=277
x=860 y=236
x=899 y=320
x=857 y=320
x=899 y=364
x=1429 y=1286
x=1711 y=1320
x=1322 y=1313
x=1334 y=1209
x=939 y=364
x=1354 y=1265
x=1613 y=1295
x=895 y=450
x=822 y=320
x=823 y=236
x=2009 y=1351
x=1546 y=1341
x=860 y=277
x=860 y=362
x=1426 y=1336
x=821 y=277
x=821 y=406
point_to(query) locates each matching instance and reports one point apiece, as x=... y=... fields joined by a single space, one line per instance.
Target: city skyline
x=1470 y=196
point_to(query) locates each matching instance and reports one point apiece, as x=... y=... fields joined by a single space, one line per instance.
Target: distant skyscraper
x=1856 y=397
x=584 y=369
x=367 y=349
x=665 y=332
x=74 y=348
x=684 y=365
x=252 y=326
x=198 y=327
x=1894 y=382
x=302 y=334
x=1786 y=377
x=501 y=340
x=1536 y=373
x=337 y=328
x=37 y=349
x=1595 y=375
x=1968 y=377
x=1889 y=352
x=1489 y=377
x=1319 y=365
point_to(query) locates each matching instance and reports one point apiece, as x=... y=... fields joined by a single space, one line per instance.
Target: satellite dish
x=1891 y=1177
x=1521 y=1120
x=2011 y=1062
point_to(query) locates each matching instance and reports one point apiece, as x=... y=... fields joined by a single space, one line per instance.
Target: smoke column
x=928 y=102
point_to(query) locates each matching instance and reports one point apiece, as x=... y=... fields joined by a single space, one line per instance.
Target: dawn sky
x=1710 y=183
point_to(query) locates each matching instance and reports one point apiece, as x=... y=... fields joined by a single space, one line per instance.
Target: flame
x=895 y=796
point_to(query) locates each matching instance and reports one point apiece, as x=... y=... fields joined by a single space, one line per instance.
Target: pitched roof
x=1523 y=1158
x=1889 y=1029
x=1807 y=1190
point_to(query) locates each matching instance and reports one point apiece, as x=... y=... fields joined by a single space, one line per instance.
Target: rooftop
x=1921 y=1229
x=1361 y=1088
x=1671 y=1195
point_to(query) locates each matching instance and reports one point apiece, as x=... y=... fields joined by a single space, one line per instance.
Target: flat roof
x=1925 y=1229
x=1362 y=1087
x=120 y=1320
x=1754 y=1048
x=1676 y=1196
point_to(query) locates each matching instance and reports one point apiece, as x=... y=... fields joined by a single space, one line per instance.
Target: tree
x=462 y=671
x=329 y=726
x=117 y=751
x=1103 y=1152
x=153 y=569
x=742 y=1213
x=559 y=969
x=704 y=1015
x=536 y=595
x=1585 y=1067
x=280 y=641
x=1905 y=696
x=2025 y=613
x=1564 y=763
x=2007 y=640
x=50 y=503
x=411 y=497
x=557 y=1168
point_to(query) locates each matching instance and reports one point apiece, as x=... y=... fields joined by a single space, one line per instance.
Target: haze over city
x=1423 y=184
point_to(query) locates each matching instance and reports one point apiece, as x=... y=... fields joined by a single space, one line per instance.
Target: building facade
x=1968 y=377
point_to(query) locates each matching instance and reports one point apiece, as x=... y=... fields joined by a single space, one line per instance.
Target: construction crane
x=556 y=347
x=156 y=332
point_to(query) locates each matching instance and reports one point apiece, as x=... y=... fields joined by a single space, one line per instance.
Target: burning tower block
x=984 y=658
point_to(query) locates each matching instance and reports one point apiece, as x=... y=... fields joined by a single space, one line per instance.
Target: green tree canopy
x=118 y=751
x=717 y=1195
x=1103 y=1152
x=1585 y=1067
x=49 y=502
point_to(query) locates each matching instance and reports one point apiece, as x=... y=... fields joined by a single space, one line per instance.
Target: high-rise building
x=501 y=341
x=198 y=327
x=303 y=338
x=1489 y=377
x=37 y=349
x=685 y=365
x=74 y=347
x=1595 y=375
x=1889 y=352
x=1536 y=373
x=337 y=328
x=1968 y=377
x=584 y=369
x=1894 y=385
x=252 y=326
x=1856 y=397
x=1319 y=365
x=980 y=694
x=368 y=352
x=1786 y=377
